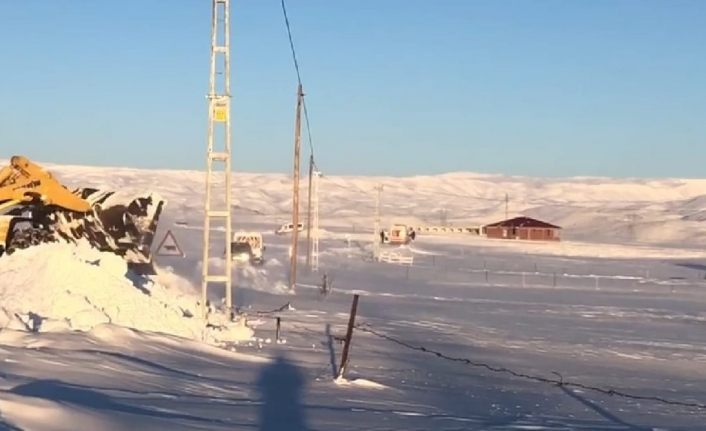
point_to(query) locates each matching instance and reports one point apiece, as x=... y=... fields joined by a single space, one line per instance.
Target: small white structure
x=396 y=258
x=289 y=227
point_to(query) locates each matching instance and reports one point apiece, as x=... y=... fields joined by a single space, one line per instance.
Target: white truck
x=247 y=247
x=398 y=234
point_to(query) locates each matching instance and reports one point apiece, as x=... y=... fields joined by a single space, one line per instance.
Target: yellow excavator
x=35 y=208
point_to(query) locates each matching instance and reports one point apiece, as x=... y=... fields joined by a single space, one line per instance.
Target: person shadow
x=281 y=387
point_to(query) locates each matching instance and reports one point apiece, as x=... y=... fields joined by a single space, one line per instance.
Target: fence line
x=396 y=258
x=546 y=279
x=558 y=381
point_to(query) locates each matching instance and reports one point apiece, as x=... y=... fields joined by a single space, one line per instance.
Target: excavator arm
x=24 y=181
x=107 y=220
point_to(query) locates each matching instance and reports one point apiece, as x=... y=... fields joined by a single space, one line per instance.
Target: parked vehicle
x=289 y=227
x=398 y=234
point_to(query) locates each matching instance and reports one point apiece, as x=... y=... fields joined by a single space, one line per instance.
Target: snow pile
x=58 y=287
x=360 y=383
x=260 y=278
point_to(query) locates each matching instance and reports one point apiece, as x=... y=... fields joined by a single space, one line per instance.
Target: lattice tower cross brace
x=219 y=152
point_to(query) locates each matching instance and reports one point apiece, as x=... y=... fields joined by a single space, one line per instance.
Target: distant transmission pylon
x=218 y=156
x=376 y=233
x=308 y=214
x=315 y=221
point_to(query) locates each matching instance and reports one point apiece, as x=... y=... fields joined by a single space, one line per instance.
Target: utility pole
x=507 y=201
x=376 y=233
x=315 y=222
x=218 y=153
x=295 y=191
x=308 y=215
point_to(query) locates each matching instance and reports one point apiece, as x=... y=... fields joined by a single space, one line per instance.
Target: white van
x=289 y=227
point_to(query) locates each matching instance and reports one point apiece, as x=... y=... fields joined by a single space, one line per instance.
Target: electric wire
x=299 y=77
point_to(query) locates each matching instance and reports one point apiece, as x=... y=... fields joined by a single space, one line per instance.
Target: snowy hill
x=664 y=212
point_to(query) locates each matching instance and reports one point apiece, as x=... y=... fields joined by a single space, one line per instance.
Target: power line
x=548 y=380
x=299 y=77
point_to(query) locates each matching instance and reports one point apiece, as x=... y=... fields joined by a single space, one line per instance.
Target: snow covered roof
x=524 y=222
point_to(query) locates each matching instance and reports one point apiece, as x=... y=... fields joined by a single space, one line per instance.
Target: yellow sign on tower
x=220 y=112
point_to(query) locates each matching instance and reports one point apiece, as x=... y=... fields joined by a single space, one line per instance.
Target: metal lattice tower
x=315 y=221
x=218 y=160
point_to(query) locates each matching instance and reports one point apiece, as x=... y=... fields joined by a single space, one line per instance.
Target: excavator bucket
x=35 y=208
x=118 y=222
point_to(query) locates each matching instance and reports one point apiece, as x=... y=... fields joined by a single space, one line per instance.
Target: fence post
x=349 y=337
x=277 y=330
x=486 y=276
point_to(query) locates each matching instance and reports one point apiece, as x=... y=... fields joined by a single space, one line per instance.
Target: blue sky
x=398 y=87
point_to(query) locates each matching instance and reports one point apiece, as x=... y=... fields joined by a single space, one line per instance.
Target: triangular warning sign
x=169 y=246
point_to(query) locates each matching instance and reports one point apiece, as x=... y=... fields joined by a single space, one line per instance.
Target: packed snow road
x=640 y=337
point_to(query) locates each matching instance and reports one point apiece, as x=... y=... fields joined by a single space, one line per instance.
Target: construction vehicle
x=247 y=247
x=35 y=208
x=397 y=234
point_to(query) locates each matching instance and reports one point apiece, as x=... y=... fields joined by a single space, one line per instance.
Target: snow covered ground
x=621 y=305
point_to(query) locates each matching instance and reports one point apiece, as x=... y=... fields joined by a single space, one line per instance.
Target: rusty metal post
x=279 y=321
x=349 y=337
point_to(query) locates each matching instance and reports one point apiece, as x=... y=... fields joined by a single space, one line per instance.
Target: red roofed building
x=522 y=228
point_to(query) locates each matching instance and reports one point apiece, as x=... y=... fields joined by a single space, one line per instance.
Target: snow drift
x=59 y=287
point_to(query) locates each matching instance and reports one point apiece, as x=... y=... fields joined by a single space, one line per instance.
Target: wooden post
x=279 y=320
x=486 y=275
x=295 y=191
x=349 y=337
